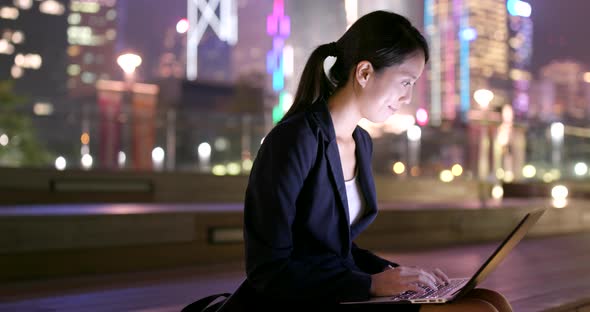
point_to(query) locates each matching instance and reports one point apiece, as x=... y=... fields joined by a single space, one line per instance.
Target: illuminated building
x=279 y=59
x=216 y=58
x=213 y=26
x=32 y=41
x=228 y=45
x=566 y=92
x=542 y=96
x=91 y=37
x=560 y=95
x=521 y=46
x=480 y=44
x=469 y=51
x=249 y=53
x=171 y=63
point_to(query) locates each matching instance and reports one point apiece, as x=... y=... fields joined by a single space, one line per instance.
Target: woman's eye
x=406 y=83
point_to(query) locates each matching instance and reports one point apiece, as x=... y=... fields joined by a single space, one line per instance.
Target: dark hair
x=383 y=38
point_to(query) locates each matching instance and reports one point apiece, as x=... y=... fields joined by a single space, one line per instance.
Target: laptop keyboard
x=429 y=292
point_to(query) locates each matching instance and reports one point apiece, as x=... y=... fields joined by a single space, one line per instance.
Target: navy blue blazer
x=299 y=244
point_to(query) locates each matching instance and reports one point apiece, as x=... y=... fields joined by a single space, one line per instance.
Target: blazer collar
x=322 y=116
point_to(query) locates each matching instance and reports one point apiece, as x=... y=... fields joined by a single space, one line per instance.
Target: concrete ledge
x=46 y=186
x=38 y=247
x=44 y=233
x=36 y=186
x=111 y=244
x=100 y=185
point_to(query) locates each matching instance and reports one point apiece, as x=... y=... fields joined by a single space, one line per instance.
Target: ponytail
x=314 y=85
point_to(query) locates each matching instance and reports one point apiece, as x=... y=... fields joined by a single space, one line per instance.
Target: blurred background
x=128 y=129
x=194 y=87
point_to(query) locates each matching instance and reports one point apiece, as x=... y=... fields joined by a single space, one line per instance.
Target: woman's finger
x=438 y=280
x=418 y=276
x=426 y=280
x=440 y=274
x=431 y=277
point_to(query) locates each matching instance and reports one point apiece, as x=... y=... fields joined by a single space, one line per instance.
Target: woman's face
x=385 y=92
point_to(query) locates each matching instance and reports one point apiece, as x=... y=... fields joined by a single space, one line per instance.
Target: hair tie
x=333 y=49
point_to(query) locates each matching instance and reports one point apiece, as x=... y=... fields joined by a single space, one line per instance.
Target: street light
x=414 y=134
x=182 y=26
x=129 y=62
x=557 y=134
x=483 y=97
x=204 y=151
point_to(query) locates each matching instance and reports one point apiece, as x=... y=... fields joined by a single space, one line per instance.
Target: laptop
x=458 y=287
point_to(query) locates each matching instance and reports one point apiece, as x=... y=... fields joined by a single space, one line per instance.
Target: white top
x=356 y=202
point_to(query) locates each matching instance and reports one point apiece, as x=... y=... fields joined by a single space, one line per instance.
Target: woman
x=311 y=190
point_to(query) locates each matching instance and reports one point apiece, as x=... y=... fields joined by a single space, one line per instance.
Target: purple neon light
x=271 y=25
x=278 y=26
x=278 y=44
x=278 y=8
x=271 y=61
x=285 y=26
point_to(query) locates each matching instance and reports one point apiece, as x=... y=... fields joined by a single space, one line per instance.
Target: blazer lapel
x=333 y=156
x=367 y=186
x=322 y=116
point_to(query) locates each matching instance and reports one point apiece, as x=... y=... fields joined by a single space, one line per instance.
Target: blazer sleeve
x=277 y=177
x=368 y=261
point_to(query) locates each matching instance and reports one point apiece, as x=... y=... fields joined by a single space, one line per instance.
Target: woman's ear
x=364 y=71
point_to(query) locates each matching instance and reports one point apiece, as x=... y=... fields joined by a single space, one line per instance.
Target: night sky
x=560 y=31
x=558 y=28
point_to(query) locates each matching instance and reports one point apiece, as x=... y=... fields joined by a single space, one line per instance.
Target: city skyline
x=237 y=80
x=555 y=35
x=551 y=40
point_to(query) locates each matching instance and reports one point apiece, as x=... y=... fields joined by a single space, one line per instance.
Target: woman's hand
x=397 y=280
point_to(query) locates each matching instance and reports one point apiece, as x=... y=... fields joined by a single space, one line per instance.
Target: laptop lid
x=502 y=251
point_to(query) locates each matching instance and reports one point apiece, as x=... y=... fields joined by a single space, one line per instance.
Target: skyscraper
x=91 y=37
x=213 y=29
x=521 y=51
x=32 y=41
x=481 y=44
x=249 y=53
x=172 y=61
x=570 y=100
x=469 y=51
